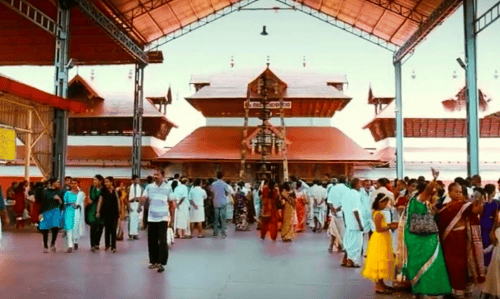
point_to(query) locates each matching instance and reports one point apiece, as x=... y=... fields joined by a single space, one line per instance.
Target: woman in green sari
x=424 y=267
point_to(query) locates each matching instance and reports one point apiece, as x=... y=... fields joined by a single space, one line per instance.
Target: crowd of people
x=437 y=240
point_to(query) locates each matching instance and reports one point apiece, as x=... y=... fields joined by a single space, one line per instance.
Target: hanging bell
x=454 y=74
x=264 y=32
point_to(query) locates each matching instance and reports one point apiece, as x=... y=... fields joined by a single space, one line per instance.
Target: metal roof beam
x=437 y=17
x=33 y=14
x=198 y=24
x=143 y=8
x=488 y=18
x=341 y=25
x=118 y=35
x=407 y=13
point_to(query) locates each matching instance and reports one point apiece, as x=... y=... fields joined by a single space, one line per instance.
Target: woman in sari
x=491 y=287
x=300 y=207
x=424 y=266
x=241 y=208
x=461 y=238
x=269 y=216
x=20 y=205
x=288 y=202
x=488 y=219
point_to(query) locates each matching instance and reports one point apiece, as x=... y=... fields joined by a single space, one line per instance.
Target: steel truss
x=123 y=40
x=392 y=6
x=36 y=16
x=198 y=24
x=59 y=148
x=488 y=18
x=137 y=122
x=341 y=25
x=437 y=16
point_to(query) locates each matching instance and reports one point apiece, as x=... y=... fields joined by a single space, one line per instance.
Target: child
x=379 y=264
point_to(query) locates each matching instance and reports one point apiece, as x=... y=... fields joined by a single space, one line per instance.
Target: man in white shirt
x=134 y=218
x=353 y=237
x=182 y=213
x=197 y=197
x=334 y=200
x=157 y=194
x=366 y=212
x=318 y=196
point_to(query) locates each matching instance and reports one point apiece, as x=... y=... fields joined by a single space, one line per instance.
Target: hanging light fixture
x=92 y=75
x=264 y=32
x=304 y=62
x=232 y=61
x=130 y=74
x=496 y=74
x=268 y=61
x=454 y=74
x=413 y=76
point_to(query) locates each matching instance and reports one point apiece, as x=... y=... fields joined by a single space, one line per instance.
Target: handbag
x=423 y=224
x=170 y=236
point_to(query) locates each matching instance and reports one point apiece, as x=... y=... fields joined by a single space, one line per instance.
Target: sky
x=293 y=35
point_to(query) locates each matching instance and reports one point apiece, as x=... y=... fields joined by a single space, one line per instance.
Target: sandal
x=385 y=291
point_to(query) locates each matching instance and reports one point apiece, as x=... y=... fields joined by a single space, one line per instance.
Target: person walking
x=269 y=216
x=134 y=217
x=289 y=203
x=73 y=201
x=380 y=264
x=108 y=209
x=300 y=211
x=96 y=224
x=157 y=194
x=51 y=214
x=182 y=212
x=220 y=191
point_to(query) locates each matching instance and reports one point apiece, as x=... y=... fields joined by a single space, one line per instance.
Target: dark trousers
x=45 y=233
x=157 y=242
x=95 y=233
x=110 y=225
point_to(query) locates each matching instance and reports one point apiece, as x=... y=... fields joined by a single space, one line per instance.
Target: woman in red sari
x=20 y=204
x=461 y=241
x=301 y=207
x=269 y=217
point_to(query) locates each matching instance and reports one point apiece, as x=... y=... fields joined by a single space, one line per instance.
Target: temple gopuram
x=435 y=136
x=100 y=138
x=267 y=123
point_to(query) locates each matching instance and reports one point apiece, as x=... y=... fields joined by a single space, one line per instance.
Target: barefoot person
x=197 y=197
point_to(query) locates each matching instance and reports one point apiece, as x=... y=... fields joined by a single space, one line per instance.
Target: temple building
x=280 y=119
x=100 y=138
x=434 y=136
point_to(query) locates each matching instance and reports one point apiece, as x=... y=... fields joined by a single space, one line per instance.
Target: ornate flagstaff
x=282 y=148
x=245 y=134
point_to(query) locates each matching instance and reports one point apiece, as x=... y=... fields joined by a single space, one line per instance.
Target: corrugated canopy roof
x=147 y=21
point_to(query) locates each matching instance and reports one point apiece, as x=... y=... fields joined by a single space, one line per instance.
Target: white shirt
x=336 y=194
x=318 y=193
x=198 y=196
x=135 y=191
x=230 y=195
x=158 y=202
x=351 y=201
x=180 y=192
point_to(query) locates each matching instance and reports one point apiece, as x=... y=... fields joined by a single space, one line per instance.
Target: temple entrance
x=274 y=171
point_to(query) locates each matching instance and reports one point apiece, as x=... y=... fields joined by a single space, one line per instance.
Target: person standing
x=491 y=287
x=108 y=209
x=230 y=203
x=220 y=191
x=51 y=214
x=288 y=202
x=157 y=194
x=269 y=217
x=20 y=204
x=380 y=262
x=134 y=217
x=488 y=219
x=96 y=225
x=72 y=208
x=353 y=237
x=334 y=200
x=318 y=196
x=197 y=197
x=300 y=210
x=182 y=213
x=79 y=229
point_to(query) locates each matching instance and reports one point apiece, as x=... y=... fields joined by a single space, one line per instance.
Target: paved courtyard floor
x=240 y=266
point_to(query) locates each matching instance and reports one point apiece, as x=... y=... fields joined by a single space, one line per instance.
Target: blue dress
x=70 y=200
x=51 y=213
x=487 y=222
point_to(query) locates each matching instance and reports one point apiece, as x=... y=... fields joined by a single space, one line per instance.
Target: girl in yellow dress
x=379 y=264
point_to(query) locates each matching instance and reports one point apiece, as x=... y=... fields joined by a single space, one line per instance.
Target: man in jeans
x=220 y=192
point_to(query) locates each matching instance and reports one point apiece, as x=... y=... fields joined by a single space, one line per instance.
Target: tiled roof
x=321 y=144
x=301 y=84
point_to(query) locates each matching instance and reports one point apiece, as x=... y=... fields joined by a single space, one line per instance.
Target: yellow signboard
x=7 y=144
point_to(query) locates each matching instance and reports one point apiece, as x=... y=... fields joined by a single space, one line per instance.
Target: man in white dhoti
x=366 y=212
x=318 y=196
x=197 y=196
x=334 y=200
x=182 y=212
x=353 y=236
x=134 y=218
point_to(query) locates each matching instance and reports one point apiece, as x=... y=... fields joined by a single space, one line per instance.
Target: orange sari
x=301 y=212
